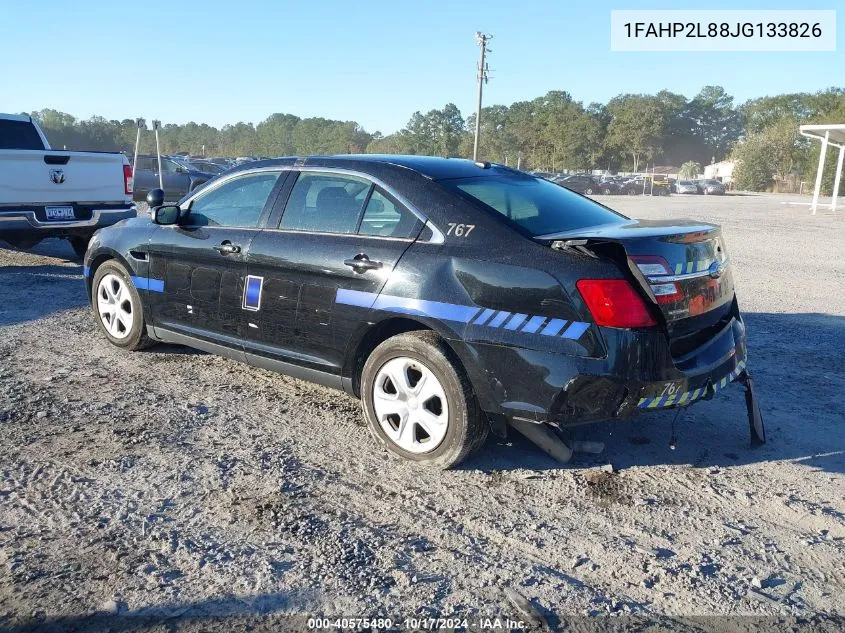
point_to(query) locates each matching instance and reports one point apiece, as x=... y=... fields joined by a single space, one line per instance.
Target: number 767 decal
x=460 y=230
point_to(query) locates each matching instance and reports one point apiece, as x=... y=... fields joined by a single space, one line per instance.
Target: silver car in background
x=711 y=187
x=686 y=186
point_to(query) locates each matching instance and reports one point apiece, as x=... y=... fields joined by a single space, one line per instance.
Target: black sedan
x=580 y=183
x=453 y=297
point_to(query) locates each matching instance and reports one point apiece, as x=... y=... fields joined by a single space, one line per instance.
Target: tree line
x=550 y=133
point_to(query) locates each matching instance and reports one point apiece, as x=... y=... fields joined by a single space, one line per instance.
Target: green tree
x=689 y=170
x=636 y=127
x=772 y=153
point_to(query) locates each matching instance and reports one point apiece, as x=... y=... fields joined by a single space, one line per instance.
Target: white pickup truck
x=55 y=193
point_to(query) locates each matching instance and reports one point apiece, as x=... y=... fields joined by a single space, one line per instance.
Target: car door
x=177 y=182
x=338 y=233
x=200 y=264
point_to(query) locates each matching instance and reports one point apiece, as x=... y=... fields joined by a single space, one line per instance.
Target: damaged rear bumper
x=638 y=375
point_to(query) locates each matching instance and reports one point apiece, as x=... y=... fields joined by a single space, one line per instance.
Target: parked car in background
x=178 y=176
x=55 y=193
x=639 y=186
x=711 y=187
x=581 y=183
x=208 y=166
x=687 y=186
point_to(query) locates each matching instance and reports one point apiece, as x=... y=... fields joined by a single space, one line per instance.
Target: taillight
x=128 y=180
x=614 y=303
x=653 y=267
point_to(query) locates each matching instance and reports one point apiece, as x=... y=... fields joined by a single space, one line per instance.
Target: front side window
x=169 y=166
x=325 y=203
x=537 y=206
x=238 y=202
x=385 y=217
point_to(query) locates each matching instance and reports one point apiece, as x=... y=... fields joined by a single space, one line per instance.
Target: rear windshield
x=538 y=206
x=19 y=135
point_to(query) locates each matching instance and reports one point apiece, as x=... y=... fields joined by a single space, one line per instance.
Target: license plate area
x=59 y=213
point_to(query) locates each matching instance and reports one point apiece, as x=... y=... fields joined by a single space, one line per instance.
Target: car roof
x=432 y=167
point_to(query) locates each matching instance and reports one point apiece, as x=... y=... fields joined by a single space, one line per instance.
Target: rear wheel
x=588 y=191
x=117 y=307
x=418 y=402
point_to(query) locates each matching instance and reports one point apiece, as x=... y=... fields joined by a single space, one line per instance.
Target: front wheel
x=117 y=307
x=418 y=402
x=588 y=191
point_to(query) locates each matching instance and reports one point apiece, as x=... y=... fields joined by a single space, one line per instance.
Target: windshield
x=538 y=206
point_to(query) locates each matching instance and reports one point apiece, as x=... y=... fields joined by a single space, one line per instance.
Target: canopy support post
x=820 y=172
x=838 y=178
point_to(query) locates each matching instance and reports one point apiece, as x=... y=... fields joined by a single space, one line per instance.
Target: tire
x=588 y=191
x=632 y=192
x=422 y=360
x=79 y=244
x=113 y=287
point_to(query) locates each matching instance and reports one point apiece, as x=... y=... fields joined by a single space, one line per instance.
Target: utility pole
x=483 y=77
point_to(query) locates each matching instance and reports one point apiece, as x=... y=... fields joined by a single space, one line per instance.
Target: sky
x=371 y=61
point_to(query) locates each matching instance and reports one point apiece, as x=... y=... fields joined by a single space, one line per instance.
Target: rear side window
x=537 y=206
x=19 y=135
x=385 y=217
x=147 y=164
x=237 y=203
x=325 y=203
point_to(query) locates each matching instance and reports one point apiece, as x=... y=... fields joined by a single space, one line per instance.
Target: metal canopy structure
x=828 y=135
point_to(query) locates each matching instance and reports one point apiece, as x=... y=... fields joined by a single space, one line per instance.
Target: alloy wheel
x=410 y=405
x=114 y=305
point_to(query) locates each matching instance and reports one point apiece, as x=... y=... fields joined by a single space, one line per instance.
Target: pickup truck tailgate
x=50 y=176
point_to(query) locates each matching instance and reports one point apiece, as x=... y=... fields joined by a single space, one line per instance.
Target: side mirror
x=166 y=215
x=181 y=170
x=155 y=198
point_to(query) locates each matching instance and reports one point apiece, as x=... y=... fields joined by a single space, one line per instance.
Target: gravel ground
x=183 y=488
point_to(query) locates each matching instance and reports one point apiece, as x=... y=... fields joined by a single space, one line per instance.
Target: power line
x=483 y=77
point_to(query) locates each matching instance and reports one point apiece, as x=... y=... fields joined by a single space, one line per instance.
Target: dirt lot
x=178 y=485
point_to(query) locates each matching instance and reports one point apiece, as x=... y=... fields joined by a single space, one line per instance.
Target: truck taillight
x=615 y=303
x=128 y=180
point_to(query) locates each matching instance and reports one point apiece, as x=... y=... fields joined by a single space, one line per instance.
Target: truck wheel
x=117 y=307
x=79 y=245
x=419 y=403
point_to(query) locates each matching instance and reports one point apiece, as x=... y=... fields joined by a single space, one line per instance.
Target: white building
x=722 y=171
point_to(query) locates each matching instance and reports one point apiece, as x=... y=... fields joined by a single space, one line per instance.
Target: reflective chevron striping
x=486 y=317
x=682 y=268
x=690 y=396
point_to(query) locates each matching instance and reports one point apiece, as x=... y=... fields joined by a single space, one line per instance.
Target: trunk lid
x=682 y=267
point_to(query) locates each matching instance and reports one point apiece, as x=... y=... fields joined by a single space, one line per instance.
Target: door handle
x=227 y=248
x=361 y=263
